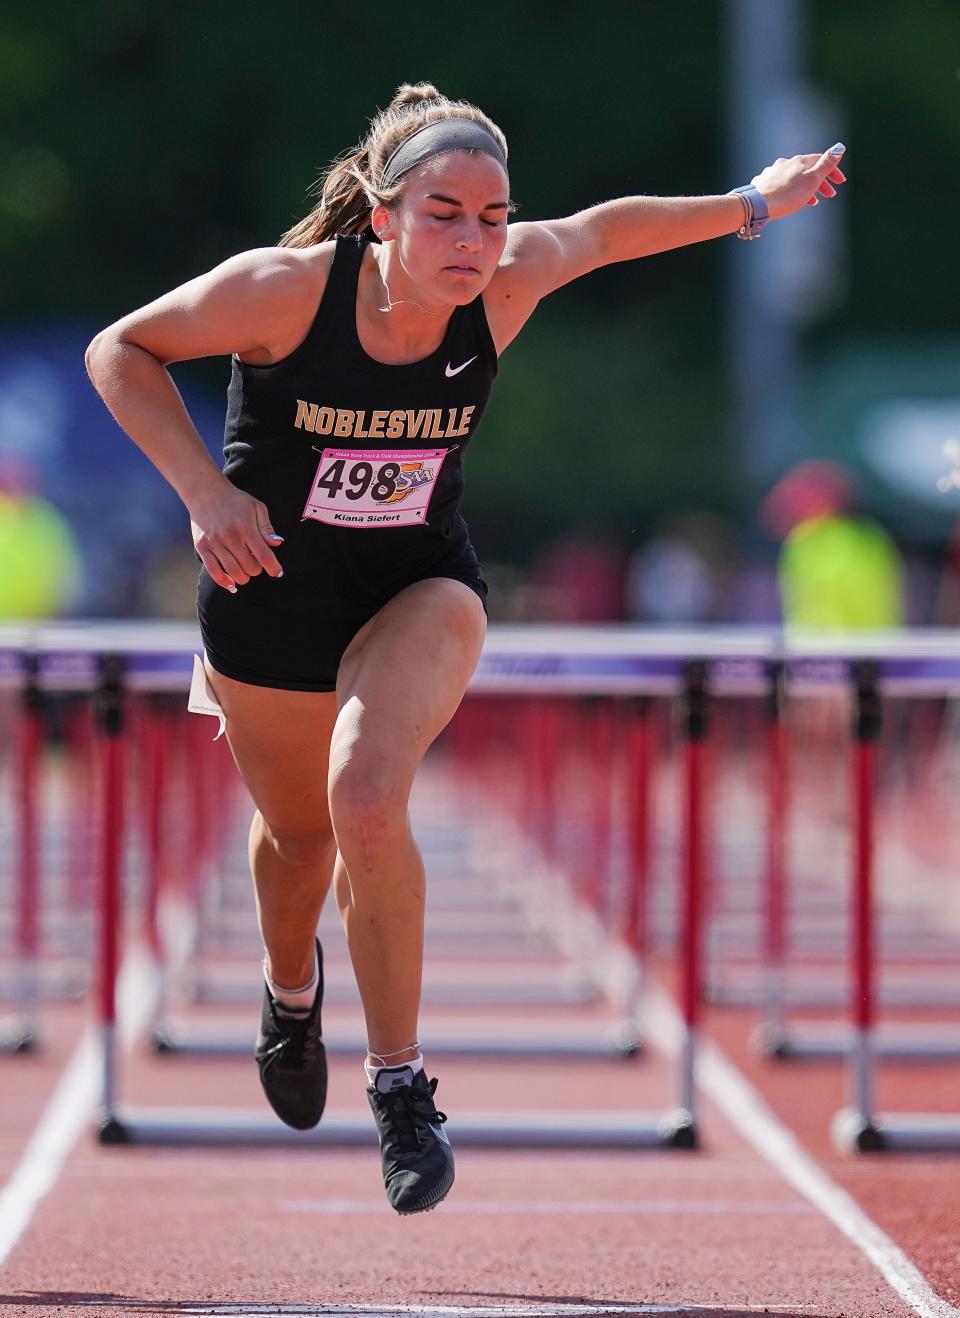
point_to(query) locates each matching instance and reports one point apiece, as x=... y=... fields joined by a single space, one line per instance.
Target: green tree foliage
x=143 y=143
x=895 y=70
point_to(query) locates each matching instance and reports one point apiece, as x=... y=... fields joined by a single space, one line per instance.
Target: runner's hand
x=787 y=185
x=233 y=536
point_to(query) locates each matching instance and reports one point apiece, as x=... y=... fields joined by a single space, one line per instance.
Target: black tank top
x=356 y=459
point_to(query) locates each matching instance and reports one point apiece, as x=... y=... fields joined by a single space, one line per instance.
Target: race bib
x=374 y=487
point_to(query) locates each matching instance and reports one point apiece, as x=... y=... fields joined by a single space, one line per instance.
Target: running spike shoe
x=292 y=1059
x=415 y=1153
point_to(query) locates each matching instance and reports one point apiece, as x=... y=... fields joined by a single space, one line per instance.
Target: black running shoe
x=414 y=1150
x=293 y=1060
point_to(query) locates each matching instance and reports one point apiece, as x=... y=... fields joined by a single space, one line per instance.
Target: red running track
x=722 y=1232
x=146 y=1231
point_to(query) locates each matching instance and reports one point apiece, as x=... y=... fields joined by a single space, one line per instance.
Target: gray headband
x=434 y=140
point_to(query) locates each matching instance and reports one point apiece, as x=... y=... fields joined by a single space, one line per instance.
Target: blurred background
x=639 y=460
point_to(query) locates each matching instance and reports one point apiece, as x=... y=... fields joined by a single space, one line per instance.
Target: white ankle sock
x=298 y=1000
x=386 y=1078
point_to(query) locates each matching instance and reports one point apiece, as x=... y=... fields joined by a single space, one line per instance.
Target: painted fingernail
x=280 y=573
x=273 y=536
x=837 y=149
x=232 y=590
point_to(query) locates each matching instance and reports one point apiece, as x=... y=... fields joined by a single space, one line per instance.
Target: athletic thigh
x=402 y=678
x=280 y=741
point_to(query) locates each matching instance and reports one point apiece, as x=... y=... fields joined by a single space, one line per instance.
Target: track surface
x=718 y=1232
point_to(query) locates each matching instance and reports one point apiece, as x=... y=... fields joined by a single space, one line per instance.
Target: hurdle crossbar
x=113 y=660
x=631 y=663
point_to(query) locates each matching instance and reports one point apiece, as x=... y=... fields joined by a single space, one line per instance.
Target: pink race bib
x=374 y=487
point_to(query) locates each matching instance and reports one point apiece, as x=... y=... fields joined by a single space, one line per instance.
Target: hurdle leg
x=548 y=750
x=694 y=734
x=82 y=786
x=634 y=926
x=110 y=703
x=601 y=807
x=773 y=1027
x=857 y=1128
x=23 y=1036
x=156 y=749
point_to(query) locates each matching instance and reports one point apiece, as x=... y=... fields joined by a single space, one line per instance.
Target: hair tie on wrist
x=756 y=212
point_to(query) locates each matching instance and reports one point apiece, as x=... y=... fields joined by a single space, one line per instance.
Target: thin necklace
x=405 y=302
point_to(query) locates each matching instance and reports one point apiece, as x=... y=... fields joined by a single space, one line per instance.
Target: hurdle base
x=854 y=1132
x=569 y=993
x=770 y=1041
x=828 y=1043
x=678 y=1130
x=902 y=1132
x=826 y=995
x=622 y=1044
x=64 y=987
x=111 y=1130
x=18 y=1036
x=213 y=1128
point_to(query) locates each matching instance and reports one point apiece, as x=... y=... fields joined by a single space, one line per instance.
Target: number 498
x=362 y=477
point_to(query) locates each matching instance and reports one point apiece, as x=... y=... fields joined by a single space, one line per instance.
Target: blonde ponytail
x=348 y=189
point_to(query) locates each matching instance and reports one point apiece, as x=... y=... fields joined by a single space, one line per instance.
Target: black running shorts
x=291 y=632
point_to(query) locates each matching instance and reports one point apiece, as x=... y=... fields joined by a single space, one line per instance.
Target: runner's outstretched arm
x=547 y=254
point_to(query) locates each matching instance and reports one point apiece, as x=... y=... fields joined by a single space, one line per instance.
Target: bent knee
x=367 y=808
x=300 y=848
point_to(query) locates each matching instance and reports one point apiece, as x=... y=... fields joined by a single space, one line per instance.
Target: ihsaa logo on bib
x=365 y=488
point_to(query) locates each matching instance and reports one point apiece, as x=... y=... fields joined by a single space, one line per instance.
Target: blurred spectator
x=512 y=596
x=579 y=578
x=682 y=576
x=40 y=566
x=947 y=601
x=837 y=570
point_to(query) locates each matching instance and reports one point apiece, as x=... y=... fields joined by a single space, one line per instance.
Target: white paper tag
x=201 y=699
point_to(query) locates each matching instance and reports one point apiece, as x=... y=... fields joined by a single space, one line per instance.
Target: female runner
x=341 y=603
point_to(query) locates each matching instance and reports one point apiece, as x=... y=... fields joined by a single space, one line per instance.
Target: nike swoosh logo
x=455 y=370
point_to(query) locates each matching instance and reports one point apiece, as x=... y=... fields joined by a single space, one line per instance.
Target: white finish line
x=489 y=1310
x=592 y=1207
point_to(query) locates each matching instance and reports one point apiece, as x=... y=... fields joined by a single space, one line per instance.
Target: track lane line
x=558 y=1310
x=654 y=1207
x=71 y=1106
x=58 y=1129
x=747 y=1112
